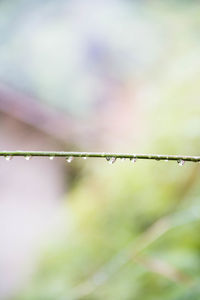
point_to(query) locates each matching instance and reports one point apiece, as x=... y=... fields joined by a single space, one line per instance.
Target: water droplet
x=180 y=162
x=112 y=160
x=69 y=159
x=133 y=159
x=123 y=158
x=51 y=157
x=8 y=157
x=28 y=157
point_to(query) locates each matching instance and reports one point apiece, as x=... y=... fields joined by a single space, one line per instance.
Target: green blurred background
x=126 y=77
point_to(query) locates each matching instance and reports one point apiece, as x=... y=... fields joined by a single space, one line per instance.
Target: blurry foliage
x=109 y=207
x=67 y=52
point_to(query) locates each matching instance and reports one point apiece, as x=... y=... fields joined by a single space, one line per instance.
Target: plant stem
x=101 y=155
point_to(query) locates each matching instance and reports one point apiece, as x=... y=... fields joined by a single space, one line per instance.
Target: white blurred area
x=30 y=198
x=87 y=58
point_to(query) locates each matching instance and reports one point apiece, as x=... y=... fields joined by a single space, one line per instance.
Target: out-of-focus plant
x=134 y=229
x=134 y=234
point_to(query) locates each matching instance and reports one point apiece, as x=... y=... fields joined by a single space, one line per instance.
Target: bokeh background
x=98 y=75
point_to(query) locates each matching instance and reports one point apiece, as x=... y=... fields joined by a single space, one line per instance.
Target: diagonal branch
x=163 y=268
x=135 y=249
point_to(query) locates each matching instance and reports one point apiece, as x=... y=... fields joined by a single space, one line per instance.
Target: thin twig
x=102 y=155
x=133 y=250
x=127 y=254
x=164 y=269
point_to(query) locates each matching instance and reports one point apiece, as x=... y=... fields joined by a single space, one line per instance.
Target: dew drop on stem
x=111 y=160
x=69 y=159
x=133 y=160
x=8 y=157
x=181 y=162
x=28 y=157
